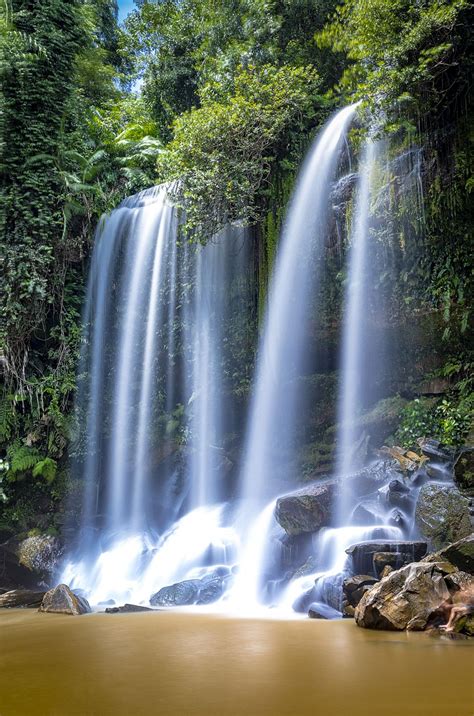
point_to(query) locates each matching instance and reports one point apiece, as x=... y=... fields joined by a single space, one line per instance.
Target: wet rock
x=318 y=610
x=386 y=571
x=307 y=510
x=464 y=469
x=354 y=588
x=128 y=609
x=61 y=600
x=348 y=611
x=206 y=590
x=21 y=598
x=442 y=514
x=40 y=554
x=407 y=460
x=310 y=508
x=363 y=553
x=405 y=599
x=436 y=451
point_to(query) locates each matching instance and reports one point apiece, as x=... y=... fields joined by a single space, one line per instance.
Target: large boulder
x=355 y=587
x=310 y=508
x=464 y=469
x=21 y=598
x=442 y=514
x=61 y=600
x=364 y=560
x=406 y=598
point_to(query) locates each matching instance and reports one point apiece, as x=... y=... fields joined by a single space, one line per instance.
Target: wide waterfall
x=182 y=472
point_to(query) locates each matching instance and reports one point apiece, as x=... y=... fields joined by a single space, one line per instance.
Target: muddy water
x=188 y=664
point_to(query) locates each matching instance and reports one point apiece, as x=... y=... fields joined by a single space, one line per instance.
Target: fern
x=21 y=458
x=46 y=468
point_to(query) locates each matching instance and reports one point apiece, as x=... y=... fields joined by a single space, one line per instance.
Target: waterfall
x=162 y=324
x=270 y=440
x=356 y=345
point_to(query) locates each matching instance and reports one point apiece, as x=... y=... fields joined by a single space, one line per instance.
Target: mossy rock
x=442 y=514
x=464 y=469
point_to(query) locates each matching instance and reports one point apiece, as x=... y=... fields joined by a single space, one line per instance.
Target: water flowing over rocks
x=311 y=508
x=442 y=514
x=61 y=600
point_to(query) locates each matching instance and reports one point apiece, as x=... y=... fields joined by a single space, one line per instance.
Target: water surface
x=173 y=664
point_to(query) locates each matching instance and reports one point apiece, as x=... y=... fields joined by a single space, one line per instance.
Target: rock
x=407 y=464
x=318 y=610
x=405 y=599
x=435 y=451
x=14 y=575
x=310 y=508
x=61 y=600
x=354 y=587
x=21 y=598
x=40 y=554
x=363 y=553
x=128 y=609
x=464 y=469
x=395 y=560
x=206 y=590
x=386 y=571
x=460 y=554
x=442 y=514
x=348 y=611
x=307 y=510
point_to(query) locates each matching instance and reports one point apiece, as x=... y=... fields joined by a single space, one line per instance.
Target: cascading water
x=355 y=344
x=271 y=428
x=158 y=325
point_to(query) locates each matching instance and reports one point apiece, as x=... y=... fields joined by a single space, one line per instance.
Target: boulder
x=405 y=599
x=310 y=508
x=40 y=554
x=395 y=560
x=464 y=469
x=307 y=510
x=21 y=598
x=61 y=600
x=206 y=590
x=442 y=514
x=363 y=553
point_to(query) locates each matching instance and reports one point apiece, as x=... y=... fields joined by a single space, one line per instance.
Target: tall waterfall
x=270 y=441
x=271 y=426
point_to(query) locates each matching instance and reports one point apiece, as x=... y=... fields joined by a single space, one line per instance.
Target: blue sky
x=124 y=8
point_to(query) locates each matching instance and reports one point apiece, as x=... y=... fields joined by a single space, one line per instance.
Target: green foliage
x=223 y=153
x=448 y=421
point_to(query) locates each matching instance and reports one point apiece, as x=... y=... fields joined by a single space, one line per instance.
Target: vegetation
x=223 y=96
